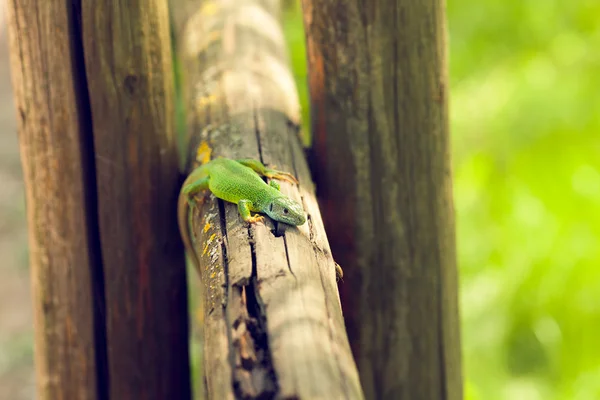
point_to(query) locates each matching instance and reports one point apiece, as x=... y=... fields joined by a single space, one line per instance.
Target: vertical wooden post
x=130 y=79
x=57 y=158
x=100 y=162
x=378 y=80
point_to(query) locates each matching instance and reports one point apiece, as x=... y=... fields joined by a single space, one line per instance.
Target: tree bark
x=128 y=62
x=56 y=154
x=378 y=84
x=273 y=325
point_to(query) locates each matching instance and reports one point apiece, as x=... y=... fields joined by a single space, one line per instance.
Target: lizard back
x=232 y=182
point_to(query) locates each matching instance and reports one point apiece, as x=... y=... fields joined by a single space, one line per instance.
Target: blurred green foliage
x=525 y=124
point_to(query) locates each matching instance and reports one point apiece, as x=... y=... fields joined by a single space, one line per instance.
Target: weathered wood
x=129 y=68
x=57 y=153
x=273 y=323
x=378 y=85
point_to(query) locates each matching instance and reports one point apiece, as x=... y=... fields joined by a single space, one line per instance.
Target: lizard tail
x=183 y=210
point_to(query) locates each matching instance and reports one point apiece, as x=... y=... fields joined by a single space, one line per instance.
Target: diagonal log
x=273 y=325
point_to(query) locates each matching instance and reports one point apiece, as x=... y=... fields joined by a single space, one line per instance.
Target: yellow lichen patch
x=203 y=153
x=204 y=101
x=195 y=41
x=209 y=39
x=208 y=242
x=209 y=8
x=199 y=315
x=206 y=227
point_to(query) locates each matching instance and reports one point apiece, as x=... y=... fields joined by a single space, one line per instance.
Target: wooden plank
x=378 y=83
x=57 y=159
x=271 y=300
x=128 y=62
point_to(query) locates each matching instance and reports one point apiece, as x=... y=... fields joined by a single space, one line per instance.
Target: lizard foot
x=282 y=176
x=268 y=172
x=339 y=273
x=255 y=219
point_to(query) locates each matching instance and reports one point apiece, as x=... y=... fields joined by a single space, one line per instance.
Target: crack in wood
x=252 y=364
x=226 y=313
x=287 y=257
x=91 y=193
x=257 y=132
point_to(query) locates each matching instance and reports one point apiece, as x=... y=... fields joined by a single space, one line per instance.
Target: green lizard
x=238 y=182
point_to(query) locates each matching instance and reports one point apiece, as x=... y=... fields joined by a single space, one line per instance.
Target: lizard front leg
x=190 y=190
x=244 y=209
x=275 y=185
x=339 y=272
x=271 y=173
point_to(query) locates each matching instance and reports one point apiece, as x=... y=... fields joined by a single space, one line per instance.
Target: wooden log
x=128 y=61
x=273 y=325
x=57 y=158
x=378 y=84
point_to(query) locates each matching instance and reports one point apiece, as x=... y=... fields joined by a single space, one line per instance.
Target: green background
x=525 y=124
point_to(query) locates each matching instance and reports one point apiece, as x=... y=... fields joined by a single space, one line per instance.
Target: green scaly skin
x=238 y=182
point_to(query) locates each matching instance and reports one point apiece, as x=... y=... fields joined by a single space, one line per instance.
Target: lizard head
x=286 y=210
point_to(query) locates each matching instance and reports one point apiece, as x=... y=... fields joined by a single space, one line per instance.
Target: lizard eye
x=271 y=207
x=285 y=210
